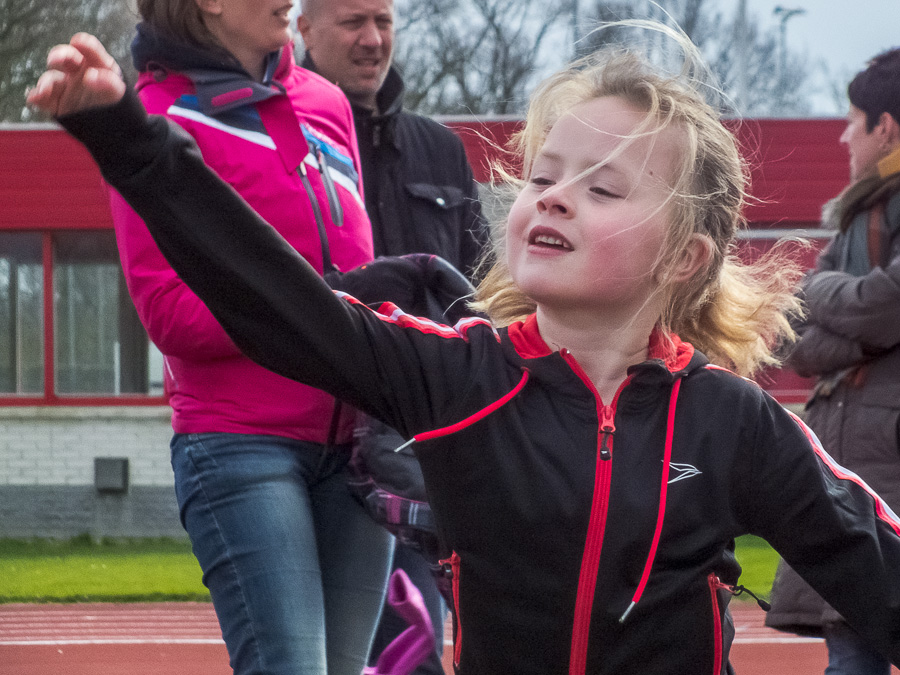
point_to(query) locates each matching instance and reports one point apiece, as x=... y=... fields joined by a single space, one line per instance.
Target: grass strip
x=149 y=570
x=759 y=562
x=110 y=570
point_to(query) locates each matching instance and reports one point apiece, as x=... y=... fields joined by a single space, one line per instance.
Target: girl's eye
x=603 y=192
x=541 y=182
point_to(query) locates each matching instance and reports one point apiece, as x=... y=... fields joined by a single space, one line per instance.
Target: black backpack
x=389 y=484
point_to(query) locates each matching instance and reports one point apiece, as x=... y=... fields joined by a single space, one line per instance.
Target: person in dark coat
x=420 y=192
x=420 y=195
x=851 y=343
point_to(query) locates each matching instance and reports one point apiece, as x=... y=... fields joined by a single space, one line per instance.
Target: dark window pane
x=100 y=346
x=21 y=313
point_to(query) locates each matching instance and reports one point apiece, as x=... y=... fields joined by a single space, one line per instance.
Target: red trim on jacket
x=390 y=313
x=526 y=338
x=663 y=492
x=882 y=510
x=472 y=419
x=714 y=584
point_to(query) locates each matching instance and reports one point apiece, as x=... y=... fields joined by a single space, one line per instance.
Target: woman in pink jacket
x=296 y=569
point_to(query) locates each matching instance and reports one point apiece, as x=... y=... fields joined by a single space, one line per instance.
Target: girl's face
x=249 y=29
x=587 y=230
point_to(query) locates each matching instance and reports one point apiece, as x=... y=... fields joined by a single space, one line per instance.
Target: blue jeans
x=296 y=568
x=849 y=654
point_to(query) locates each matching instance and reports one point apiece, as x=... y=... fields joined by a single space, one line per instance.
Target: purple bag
x=409 y=649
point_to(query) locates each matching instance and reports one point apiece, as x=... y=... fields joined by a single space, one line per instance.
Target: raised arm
x=267 y=297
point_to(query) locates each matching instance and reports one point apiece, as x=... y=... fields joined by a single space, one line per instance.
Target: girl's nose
x=555 y=201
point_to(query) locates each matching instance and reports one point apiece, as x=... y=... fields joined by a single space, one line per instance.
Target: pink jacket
x=257 y=148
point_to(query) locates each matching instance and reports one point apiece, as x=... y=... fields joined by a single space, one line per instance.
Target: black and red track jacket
x=589 y=536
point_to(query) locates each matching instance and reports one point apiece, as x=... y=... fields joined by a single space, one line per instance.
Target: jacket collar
x=221 y=83
x=664 y=350
x=389 y=98
x=890 y=164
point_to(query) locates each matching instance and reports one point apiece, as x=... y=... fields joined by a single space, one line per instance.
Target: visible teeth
x=550 y=241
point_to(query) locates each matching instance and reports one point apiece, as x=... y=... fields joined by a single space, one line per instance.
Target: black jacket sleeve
x=269 y=300
x=827 y=524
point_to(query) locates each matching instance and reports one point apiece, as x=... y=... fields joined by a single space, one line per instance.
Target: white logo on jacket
x=683 y=471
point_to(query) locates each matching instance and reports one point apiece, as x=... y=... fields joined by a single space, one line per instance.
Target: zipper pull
x=606 y=433
x=334 y=201
x=607 y=429
x=739 y=590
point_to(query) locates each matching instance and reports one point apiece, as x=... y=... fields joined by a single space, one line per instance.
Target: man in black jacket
x=419 y=190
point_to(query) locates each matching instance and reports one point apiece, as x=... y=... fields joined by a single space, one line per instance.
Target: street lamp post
x=784 y=13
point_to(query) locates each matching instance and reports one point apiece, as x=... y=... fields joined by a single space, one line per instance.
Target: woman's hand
x=79 y=76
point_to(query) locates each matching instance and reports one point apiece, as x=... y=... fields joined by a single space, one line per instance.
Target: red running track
x=184 y=639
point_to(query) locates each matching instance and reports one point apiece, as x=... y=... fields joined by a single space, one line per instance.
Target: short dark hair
x=876 y=89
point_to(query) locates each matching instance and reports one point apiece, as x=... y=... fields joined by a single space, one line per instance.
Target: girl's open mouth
x=548 y=238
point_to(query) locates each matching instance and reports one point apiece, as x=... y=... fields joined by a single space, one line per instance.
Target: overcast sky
x=842 y=33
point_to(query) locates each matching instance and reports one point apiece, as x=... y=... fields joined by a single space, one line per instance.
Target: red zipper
x=714 y=585
x=453 y=561
x=590 y=561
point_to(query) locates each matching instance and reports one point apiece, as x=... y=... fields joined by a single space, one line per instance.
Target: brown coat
x=851 y=343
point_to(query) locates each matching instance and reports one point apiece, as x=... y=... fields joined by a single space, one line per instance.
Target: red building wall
x=48 y=181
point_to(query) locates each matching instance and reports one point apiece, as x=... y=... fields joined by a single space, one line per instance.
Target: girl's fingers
x=65 y=58
x=45 y=94
x=80 y=75
x=94 y=53
x=104 y=86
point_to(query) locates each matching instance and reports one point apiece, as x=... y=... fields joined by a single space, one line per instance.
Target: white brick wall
x=57 y=445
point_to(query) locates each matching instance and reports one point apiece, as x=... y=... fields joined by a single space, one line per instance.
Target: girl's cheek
x=515 y=222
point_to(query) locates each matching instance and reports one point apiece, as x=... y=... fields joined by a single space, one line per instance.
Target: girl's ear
x=696 y=256
x=210 y=6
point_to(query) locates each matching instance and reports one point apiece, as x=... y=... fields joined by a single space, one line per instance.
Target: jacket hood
x=220 y=81
x=389 y=98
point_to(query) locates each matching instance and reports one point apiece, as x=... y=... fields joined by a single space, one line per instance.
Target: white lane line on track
x=111 y=641
x=61 y=625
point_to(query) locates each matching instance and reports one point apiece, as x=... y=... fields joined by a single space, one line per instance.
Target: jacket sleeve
x=268 y=298
x=857 y=308
x=176 y=320
x=827 y=524
x=819 y=352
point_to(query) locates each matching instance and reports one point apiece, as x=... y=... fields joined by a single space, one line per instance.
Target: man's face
x=351 y=43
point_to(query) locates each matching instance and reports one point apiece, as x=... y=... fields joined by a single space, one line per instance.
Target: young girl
x=587 y=464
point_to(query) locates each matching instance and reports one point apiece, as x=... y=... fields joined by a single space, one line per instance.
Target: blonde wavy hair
x=735 y=312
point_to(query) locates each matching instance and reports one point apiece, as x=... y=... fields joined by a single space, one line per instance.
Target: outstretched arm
x=272 y=303
x=270 y=300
